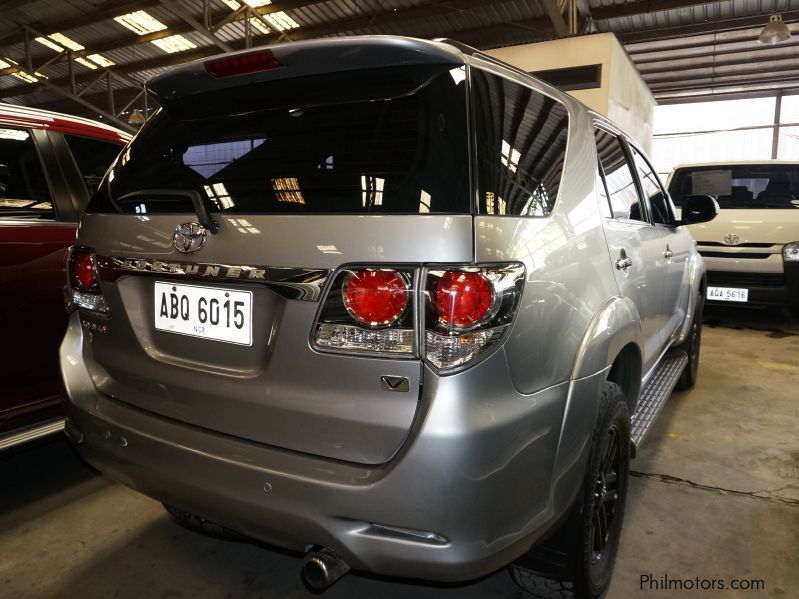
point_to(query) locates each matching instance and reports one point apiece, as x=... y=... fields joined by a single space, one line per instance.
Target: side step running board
x=23 y=435
x=654 y=395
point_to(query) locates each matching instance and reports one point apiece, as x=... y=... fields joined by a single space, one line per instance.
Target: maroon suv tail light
x=83 y=281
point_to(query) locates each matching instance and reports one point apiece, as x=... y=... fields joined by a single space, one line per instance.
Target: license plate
x=728 y=294
x=206 y=312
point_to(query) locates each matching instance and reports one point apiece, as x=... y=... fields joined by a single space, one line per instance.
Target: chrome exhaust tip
x=322 y=568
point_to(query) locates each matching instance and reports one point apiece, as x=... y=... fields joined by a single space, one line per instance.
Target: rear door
x=33 y=242
x=300 y=191
x=676 y=246
x=633 y=242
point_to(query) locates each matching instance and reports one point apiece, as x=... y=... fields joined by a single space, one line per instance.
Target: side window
x=23 y=187
x=624 y=200
x=92 y=157
x=521 y=145
x=658 y=200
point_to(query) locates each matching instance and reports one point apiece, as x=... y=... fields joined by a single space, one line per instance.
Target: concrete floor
x=715 y=495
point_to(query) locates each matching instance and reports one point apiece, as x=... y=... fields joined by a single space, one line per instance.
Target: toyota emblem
x=731 y=239
x=189 y=237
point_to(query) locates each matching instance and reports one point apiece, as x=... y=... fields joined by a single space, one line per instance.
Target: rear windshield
x=743 y=186
x=388 y=141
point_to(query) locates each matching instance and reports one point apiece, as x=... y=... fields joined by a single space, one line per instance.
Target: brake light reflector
x=463 y=298
x=375 y=297
x=241 y=64
x=83 y=271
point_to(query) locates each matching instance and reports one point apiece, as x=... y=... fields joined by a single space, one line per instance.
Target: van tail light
x=468 y=310
x=83 y=281
x=241 y=64
x=368 y=310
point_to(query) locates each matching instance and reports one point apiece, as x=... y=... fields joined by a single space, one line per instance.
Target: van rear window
x=740 y=186
x=393 y=142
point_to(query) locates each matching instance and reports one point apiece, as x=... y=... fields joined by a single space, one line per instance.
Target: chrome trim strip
x=293 y=283
x=20 y=436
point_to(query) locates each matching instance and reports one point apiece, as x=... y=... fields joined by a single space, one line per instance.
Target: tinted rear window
x=744 y=186
x=387 y=142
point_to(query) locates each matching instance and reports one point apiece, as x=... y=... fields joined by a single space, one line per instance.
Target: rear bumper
x=471 y=490
x=776 y=289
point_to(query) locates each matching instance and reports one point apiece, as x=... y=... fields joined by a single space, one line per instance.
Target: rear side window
x=387 y=141
x=740 y=186
x=92 y=157
x=624 y=200
x=521 y=145
x=24 y=192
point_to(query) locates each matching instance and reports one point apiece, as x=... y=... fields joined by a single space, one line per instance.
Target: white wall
x=623 y=96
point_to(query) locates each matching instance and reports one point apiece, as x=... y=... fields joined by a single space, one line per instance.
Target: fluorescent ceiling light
x=256 y=3
x=63 y=40
x=85 y=63
x=257 y=24
x=140 y=22
x=25 y=77
x=281 y=21
x=46 y=42
x=232 y=4
x=101 y=60
x=174 y=43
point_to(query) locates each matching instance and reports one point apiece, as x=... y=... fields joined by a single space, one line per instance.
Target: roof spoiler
x=300 y=59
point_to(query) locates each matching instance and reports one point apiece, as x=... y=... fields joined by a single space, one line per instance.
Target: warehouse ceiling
x=92 y=56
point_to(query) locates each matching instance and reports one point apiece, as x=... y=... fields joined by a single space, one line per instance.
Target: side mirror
x=698 y=209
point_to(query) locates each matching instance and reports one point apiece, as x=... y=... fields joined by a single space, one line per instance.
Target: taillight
x=84 y=281
x=375 y=297
x=463 y=298
x=368 y=310
x=468 y=311
x=241 y=64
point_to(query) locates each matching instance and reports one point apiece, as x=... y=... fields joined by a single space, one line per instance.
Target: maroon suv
x=49 y=165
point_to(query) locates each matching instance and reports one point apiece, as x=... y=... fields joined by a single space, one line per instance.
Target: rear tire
x=691 y=346
x=577 y=562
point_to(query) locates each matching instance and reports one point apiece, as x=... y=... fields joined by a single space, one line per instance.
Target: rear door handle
x=623 y=263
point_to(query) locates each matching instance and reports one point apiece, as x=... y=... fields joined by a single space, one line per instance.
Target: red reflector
x=83 y=271
x=239 y=64
x=463 y=298
x=375 y=297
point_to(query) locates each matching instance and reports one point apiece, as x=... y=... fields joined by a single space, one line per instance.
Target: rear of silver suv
x=355 y=296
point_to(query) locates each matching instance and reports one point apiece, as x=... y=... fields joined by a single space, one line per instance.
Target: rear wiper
x=200 y=208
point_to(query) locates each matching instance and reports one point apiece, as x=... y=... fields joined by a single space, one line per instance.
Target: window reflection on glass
x=521 y=145
x=287 y=189
x=23 y=187
x=342 y=143
x=624 y=199
x=219 y=195
x=209 y=159
x=372 y=191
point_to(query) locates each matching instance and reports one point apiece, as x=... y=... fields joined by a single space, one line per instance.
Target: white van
x=752 y=248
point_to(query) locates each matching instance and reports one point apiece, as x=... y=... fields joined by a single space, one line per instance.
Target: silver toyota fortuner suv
x=387 y=302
